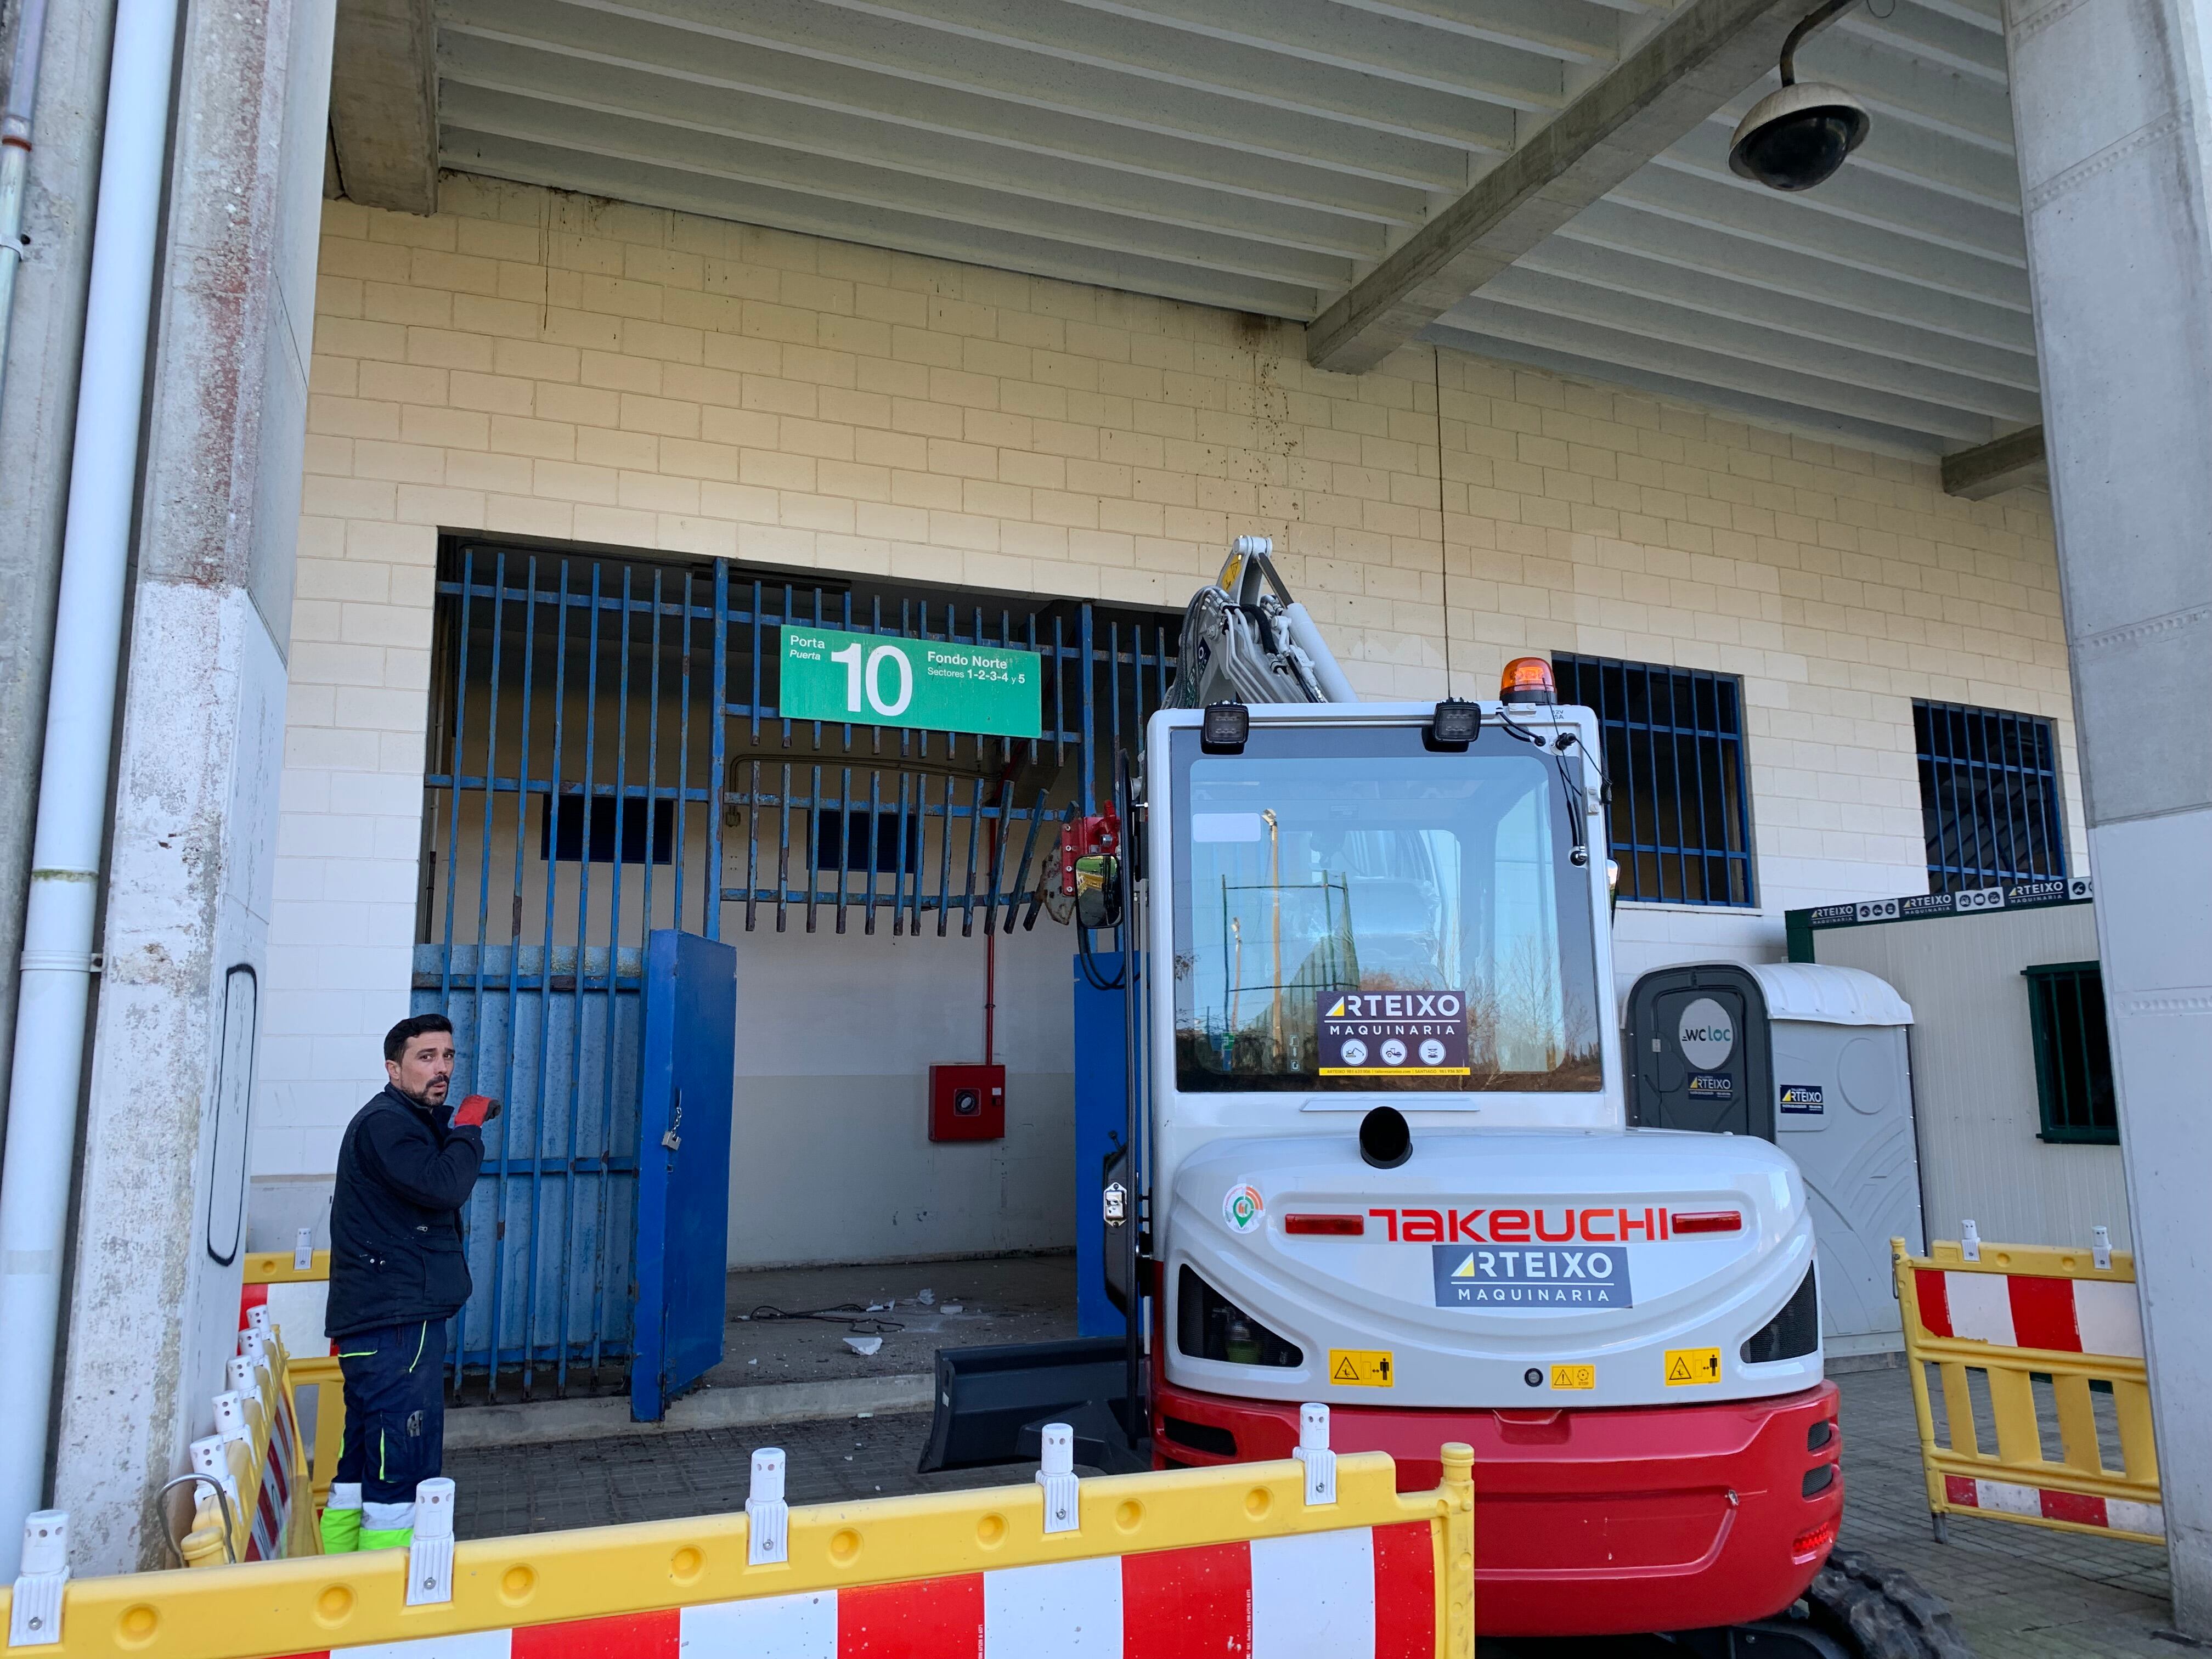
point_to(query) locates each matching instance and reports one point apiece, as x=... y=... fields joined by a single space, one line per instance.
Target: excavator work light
x=1455 y=726
x=1227 y=725
x=1527 y=679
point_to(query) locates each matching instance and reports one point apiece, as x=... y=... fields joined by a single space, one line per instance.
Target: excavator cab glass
x=1354 y=911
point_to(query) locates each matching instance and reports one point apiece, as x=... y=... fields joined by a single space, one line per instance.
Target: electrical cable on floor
x=851 y=1315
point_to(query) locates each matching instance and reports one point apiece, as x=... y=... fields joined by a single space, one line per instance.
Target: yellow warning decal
x=1685 y=1366
x=1574 y=1376
x=1397 y=1071
x=1363 y=1368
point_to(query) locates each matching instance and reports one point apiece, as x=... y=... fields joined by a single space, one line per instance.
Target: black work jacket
x=403 y=1174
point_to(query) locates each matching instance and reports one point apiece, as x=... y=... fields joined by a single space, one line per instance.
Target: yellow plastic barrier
x=258 y=1456
x=1166 y=1558
x=2025 y=1315
x=294 y=1296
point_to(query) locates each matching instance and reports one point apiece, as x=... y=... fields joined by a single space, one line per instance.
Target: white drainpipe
x=55 y=990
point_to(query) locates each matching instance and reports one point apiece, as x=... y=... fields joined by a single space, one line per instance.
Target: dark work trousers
x=395 y=1426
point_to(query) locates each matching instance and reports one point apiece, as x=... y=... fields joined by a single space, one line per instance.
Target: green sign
x=873 y=679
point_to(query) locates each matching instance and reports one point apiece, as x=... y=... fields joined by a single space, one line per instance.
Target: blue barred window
x=1680 y=818
x=1989 y=796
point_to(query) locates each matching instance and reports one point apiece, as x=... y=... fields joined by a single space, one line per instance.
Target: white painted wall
x=1973 y=1072
x=830 y=1158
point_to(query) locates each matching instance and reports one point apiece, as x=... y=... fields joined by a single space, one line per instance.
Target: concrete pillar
x=153 y=1303
x=2113 y=116
x=38 y=416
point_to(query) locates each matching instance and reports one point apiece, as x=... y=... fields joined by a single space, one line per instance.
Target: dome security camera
x=1795 y=139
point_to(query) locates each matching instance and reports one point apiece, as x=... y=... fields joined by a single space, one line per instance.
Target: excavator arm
x=1246 y=640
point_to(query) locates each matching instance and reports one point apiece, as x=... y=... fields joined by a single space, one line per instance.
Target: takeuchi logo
x=1242 y=1206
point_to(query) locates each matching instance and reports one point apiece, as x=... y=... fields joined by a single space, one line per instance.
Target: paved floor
x=914 y=1308
x=592 y=1483
x=2016 y=1590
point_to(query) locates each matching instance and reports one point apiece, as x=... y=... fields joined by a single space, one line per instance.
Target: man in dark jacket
x=406 y=1166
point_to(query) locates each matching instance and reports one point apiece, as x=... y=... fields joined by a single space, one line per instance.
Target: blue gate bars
x=606 y=757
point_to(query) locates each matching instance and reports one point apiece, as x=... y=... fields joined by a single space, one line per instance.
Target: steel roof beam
x=1696 y=61
x=589 y=41
x=470 y=64
x=1864 y=198
x=1715 y=206
x=1554 y=28
x=1197 y=107
x=1755 y=339
x=1948 y=43
x=1492 y=66
x=1786 y=307
x=1315 y=62
x=1823 y=424
x=384 y=104
x=2002 y=464
x=558 y=125
x=1012 y=42
x=1940 y=426
x=1722 y=255
x=1910 y=89
x=653 y=185
x=1930 y=162
x=1976 y=14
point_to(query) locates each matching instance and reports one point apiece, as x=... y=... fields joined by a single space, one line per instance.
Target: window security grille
x=1681 y=816
x=1989 y=796
x=2072 y=1053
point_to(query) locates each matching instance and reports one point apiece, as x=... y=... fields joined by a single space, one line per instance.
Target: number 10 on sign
x=939 y=685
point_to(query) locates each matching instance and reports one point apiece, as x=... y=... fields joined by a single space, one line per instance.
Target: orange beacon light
x=1527 y=679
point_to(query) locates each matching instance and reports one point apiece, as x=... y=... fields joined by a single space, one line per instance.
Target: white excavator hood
x=1494 y=1268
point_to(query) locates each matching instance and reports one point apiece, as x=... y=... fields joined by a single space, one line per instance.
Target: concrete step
x=542 y=1421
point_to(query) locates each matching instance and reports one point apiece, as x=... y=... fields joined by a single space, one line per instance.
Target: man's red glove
x=475 y=1112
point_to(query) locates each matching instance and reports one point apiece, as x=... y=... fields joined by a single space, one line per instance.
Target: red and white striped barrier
x=256 y=1456
x=1365 y=1594
x=2044 y=1326
x=297 y=1307
x=2021 y=1310
x=2005 y=1498
x=1320 y=1559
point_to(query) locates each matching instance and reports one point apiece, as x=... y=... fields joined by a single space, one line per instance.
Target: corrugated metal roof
x=1889 y=305
x=1264 y=157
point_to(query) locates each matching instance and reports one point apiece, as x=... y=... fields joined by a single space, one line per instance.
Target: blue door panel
x=548 y=1230
x=1102 y=1070
x=684 y=1165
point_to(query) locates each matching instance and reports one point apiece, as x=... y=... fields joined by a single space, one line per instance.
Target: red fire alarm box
x=968 y=1102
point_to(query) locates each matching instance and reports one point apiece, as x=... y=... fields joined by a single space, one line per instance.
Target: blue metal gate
x=606 y=758
x=683 y=1168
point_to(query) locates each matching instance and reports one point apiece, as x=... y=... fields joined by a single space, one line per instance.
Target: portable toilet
x=1814 y=1059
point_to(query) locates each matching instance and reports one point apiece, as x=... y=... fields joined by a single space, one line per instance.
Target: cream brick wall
x=555 y=367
